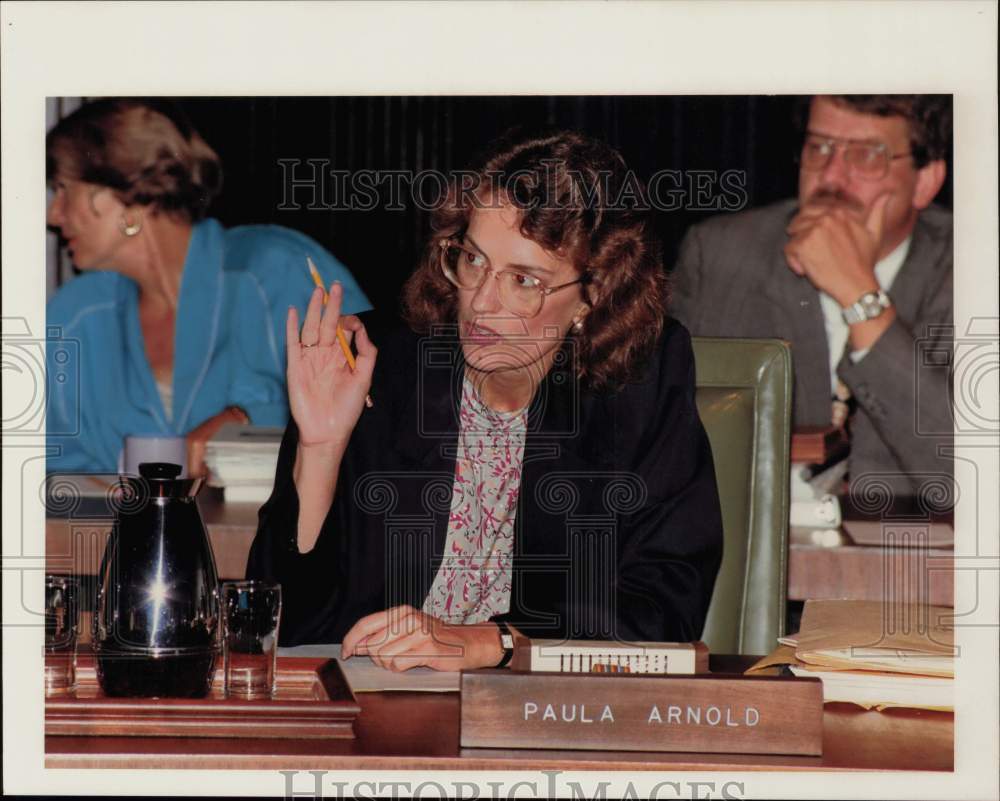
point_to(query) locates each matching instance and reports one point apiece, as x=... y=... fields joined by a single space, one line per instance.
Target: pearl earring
x=127 y=228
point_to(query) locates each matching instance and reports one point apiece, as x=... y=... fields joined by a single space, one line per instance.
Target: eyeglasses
x=520 y=294
x=868 y=160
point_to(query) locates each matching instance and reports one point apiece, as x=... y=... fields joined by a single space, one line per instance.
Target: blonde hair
x=146 y=151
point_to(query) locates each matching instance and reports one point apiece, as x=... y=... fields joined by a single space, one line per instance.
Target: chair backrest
x=744 y=397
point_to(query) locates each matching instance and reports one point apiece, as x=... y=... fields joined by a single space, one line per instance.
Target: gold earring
x=127 y=228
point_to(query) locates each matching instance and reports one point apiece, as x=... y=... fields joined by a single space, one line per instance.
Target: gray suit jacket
x=732 y=280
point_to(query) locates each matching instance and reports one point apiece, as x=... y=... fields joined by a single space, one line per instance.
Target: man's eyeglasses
x=521 y=294
x=867 y=160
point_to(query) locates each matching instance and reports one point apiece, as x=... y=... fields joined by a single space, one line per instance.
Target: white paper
x=365 y=676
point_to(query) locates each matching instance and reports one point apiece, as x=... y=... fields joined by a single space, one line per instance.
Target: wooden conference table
x=840 y=568
x=420 y=731
x=411 y=730
x=74 y=545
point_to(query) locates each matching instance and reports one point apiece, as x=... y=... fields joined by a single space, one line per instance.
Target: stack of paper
x=873 y=654
x=242 y=459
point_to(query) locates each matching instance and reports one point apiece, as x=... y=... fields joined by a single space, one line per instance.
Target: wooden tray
x=312 y=700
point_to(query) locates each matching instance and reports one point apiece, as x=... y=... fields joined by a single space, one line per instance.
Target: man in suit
x=856 y=273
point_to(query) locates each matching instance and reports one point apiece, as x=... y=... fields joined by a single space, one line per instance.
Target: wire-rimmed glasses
x=866 y=159
x=521 y=294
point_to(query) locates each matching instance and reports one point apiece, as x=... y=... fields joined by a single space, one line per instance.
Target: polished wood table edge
x=872 y=550
x=855 y=740
x=841 y=722
x=521 y=762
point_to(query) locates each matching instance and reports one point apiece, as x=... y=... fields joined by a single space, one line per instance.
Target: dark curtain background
x=754 y=136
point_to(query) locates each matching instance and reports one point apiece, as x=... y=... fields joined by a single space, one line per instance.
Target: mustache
x=836 y=197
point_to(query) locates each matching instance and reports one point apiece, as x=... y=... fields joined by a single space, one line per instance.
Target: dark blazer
x=618 y=532
x=732 y=280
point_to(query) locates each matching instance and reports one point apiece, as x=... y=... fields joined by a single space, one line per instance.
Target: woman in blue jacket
x=177 y=322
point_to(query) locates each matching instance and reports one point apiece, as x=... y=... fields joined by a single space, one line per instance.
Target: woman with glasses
x=172 y=317
x=533 y=455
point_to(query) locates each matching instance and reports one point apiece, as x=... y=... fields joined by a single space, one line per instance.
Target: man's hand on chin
x=836 y=248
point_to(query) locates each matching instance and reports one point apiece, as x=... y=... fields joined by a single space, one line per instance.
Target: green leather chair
x=744 y=397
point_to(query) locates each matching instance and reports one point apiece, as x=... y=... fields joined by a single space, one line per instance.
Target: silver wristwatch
x=869 y=306
x=506 y=643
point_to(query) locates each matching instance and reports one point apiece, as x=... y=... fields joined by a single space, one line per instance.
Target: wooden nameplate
x=817 y=444
x=312 y=700
x=721 y=714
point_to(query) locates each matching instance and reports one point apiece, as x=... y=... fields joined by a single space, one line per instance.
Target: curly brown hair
x=578 y=200
x=145 y=150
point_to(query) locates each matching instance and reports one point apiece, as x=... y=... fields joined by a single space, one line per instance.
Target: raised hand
x=325 y=395
x=402 y=637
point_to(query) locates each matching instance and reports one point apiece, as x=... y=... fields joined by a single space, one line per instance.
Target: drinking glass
x=61 y=626
x=252 y=612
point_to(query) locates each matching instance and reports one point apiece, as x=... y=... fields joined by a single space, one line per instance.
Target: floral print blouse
x=473 y=583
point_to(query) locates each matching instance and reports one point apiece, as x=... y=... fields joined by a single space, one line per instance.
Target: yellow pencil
x=318 y=280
